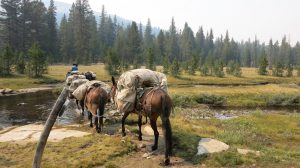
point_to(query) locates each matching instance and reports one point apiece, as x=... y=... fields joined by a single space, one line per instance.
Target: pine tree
x=263 y=64
x=150 y=59
x=7 y=59
x=187 y=43
x=289 y=70
x=166 y=65
x=10 y=22
x=63 y=34
x=81 y=30
x=172 y=46
x=175 y=68
x=204 y=70
x=52 y=40
x=20 y=63
x=113 y=62
x=278 y=70
x=134 y=45
x=237 y=70
x=37 y=64
x=148 y=37
x=230 y=67
x=298 y=70
x=160 y=46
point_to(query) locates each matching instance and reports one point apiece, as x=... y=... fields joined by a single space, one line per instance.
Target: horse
x=153 y=103
x=95 y=101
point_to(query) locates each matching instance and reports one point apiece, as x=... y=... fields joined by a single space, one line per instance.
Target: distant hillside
x=63 y=8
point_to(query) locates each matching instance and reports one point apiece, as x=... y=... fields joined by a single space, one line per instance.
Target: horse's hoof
x=167 y=162
x=98 y=130
x=123 y=134
x=154 y=147
x=91 y=125
x=140 y=138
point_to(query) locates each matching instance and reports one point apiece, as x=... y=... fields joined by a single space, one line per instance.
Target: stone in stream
x=208 y=145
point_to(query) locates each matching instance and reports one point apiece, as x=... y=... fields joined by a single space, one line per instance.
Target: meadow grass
x=58 y=72
x=88 y=151
x=276 y=136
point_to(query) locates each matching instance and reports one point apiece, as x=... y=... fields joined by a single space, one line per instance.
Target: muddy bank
x=10 y=92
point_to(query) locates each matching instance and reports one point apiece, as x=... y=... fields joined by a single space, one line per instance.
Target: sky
x=243 y=19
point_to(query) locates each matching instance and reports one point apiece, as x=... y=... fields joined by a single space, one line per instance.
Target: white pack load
x=80 y=92
x=71 y=78
x=76 y=83
x=133 y=79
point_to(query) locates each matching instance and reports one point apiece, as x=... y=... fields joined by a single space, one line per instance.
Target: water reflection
x=34 y=107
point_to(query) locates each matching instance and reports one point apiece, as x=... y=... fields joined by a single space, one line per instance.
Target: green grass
x=88 y=151
x=276 y=136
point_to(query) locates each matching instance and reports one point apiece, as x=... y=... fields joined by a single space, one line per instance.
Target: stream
x=33 y=107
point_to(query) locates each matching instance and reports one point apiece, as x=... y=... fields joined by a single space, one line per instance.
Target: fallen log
x=48 y=126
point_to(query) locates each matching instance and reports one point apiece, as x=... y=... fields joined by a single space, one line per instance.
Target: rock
x=114 y=113
x=2 y=91
x=7 y=91
x=148 y=130
x=208 y=145
x=142 y=146
x=21 y=104
x=32 y=132
x=246 y=151
x=147 y=155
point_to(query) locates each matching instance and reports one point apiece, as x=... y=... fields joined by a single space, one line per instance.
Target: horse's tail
x=101 y=108
x=167 y=130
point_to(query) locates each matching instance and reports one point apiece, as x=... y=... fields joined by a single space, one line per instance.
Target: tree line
x=83 y=38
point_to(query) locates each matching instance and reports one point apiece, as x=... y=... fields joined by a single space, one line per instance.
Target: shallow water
x=33 y=107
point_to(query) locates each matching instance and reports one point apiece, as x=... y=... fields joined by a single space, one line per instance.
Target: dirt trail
x=144 y=157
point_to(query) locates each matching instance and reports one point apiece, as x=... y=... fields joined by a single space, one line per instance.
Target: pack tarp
x=137 y=78
x=76 y=83
x=72 y=78
x=80 y=92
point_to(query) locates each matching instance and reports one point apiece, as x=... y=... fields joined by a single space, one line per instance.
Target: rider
x=74 y=67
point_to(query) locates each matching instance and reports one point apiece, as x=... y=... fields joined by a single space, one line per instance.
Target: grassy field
x=58 y=72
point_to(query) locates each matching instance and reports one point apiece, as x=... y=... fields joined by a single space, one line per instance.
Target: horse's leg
x=82 y=106
x=97 y=124
x=140 y=125
x=90 y=116
x=123 y=123
x=156 y=133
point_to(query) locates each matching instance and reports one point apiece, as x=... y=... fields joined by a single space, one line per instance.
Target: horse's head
x=113 y=90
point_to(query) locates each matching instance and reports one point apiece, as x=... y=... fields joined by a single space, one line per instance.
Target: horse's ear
x=113 y=80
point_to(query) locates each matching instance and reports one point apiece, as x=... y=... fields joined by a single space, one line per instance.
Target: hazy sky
x=242 y=18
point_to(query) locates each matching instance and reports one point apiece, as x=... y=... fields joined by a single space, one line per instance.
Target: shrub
x=210 y=99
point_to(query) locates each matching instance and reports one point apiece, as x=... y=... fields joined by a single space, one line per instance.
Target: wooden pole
x=48 y=126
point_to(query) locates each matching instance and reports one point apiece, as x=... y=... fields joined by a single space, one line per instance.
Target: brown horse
x=95 y=101
x=154 y=102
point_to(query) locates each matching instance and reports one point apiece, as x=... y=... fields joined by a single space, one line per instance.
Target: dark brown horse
x=154 y=102
x=95 y=101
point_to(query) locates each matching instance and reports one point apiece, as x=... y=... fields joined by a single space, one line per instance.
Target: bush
x=183 y=100
x=210 y=99
x=187 y=101
x=283 y=100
